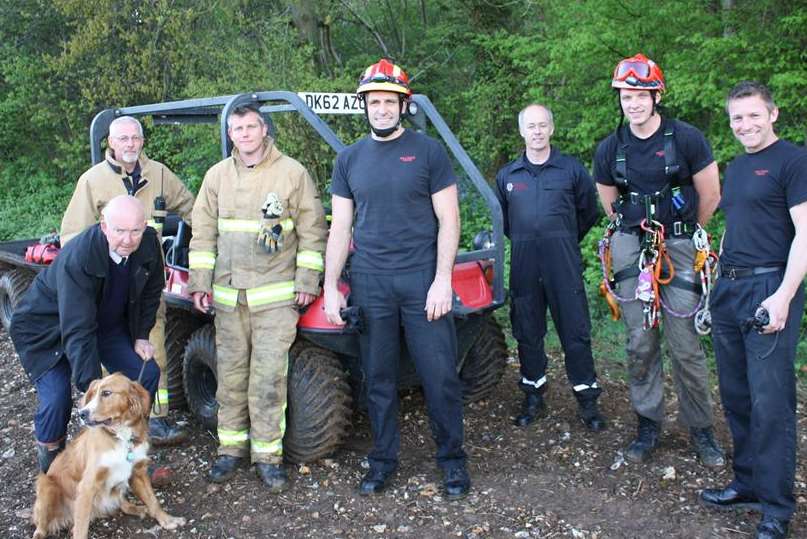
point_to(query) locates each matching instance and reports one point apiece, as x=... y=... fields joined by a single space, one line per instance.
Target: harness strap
x=677 y=282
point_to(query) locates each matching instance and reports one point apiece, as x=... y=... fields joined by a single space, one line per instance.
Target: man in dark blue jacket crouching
x=94 y=305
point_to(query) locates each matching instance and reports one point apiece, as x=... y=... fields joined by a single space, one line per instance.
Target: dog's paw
x=169 y=522
x=39 y=535
x=133 y=509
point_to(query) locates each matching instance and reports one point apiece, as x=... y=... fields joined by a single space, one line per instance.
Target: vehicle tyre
x=179 y=326
x=485 y=363
x=319 y=403
x=13 y=285
x=199 y=376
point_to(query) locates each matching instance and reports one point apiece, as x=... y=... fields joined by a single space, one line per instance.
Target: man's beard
x=130 y=157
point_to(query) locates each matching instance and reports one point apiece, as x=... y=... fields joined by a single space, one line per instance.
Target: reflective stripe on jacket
x=226 y=254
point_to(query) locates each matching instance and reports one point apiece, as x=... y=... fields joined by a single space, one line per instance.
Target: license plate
x=328 y=103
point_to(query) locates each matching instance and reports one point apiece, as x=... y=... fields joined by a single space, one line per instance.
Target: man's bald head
x=123 y=221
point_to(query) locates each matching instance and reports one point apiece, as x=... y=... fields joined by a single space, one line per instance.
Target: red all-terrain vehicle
x=325 y=379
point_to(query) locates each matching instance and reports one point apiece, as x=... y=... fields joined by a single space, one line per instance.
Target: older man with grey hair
x=127 y=171
x=549 y=204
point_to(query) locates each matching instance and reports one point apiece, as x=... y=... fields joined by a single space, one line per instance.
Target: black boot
x=772 y=528
x=162 y=433
x=647 y=440
x=709 y=453
x=456 y=482
x=274 y=476
x=224 y=468
x=532 y=408
x=591 y=416
x=46 y=454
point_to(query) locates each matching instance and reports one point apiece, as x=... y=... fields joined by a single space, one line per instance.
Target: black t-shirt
x=758 y=191
x=391 y=184
x=646 y=168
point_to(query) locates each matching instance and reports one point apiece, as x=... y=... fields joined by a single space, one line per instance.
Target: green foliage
x=479 y=61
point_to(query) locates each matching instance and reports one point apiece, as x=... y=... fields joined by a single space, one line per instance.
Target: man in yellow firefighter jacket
x=258 y=238
x=127 y=170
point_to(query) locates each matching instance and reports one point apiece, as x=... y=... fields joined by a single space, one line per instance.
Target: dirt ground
x=553 y=479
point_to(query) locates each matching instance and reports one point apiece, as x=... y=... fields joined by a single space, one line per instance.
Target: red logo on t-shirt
x=761 y=172
x=660 y=153
x=408 y=158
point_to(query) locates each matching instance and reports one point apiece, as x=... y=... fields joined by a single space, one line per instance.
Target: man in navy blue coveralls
x=403 y=189
x=762 y=264
x=95 y=305
x=549 y=204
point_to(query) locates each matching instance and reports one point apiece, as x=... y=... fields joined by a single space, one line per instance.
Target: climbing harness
x=655 y=269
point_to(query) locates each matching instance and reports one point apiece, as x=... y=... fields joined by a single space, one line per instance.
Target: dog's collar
x=126 y=435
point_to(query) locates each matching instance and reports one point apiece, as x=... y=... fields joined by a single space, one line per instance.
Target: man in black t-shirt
x=762 y=268
x=549 y=204
x=664 y=166
x=403 y=191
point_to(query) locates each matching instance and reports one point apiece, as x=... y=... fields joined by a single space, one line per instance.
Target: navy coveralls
x=548 y=209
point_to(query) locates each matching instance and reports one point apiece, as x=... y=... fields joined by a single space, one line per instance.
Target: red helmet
x=638 y=73
x=386 y=77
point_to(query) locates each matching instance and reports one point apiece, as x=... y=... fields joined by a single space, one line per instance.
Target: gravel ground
x=553 y=479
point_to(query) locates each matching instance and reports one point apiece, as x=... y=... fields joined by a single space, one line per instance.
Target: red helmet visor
x=637 y=69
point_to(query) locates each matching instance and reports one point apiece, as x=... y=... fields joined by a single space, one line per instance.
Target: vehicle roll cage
x=215 y=110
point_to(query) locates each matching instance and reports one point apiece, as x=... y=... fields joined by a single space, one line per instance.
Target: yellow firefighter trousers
x=252 y=350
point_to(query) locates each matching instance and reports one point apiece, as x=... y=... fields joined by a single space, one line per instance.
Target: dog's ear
x=90 y=394
x=139 y=400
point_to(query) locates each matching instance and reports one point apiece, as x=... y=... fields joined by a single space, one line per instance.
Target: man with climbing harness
x=126 y=170
x=658 y=183
x=549 y=204
x=256 y=257
x=757 y=308
x=95 y=305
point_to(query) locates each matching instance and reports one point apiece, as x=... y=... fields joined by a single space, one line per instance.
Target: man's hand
x=439 y=299
x=304 y=298
x=777 y=306
x=201 y=301
x=334 y=302
x=144 y=349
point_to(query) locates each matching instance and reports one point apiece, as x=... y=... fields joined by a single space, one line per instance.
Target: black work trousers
x=391 y=303
x=548 y=273
x=758 y=389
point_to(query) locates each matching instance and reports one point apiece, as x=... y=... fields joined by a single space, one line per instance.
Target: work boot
x=772 y=528
x=224 y=468
x=709 y=453
x=590 y=415
x=374 y=481
x=456 y=482
x=532 y=408
x=273 y=476
x=647 y=440
x=162 y=433
x=46 y=454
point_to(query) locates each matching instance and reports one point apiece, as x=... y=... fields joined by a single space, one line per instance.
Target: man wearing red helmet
x=662 y=170
x=403 y=189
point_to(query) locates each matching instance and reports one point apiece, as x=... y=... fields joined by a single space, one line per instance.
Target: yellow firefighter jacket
x=105 y=181
x=260 y=229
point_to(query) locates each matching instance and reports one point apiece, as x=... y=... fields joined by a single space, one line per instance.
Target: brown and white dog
x=91 y=477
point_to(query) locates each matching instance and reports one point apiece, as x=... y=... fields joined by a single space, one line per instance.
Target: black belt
x=675 y=230
x=733 y=272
